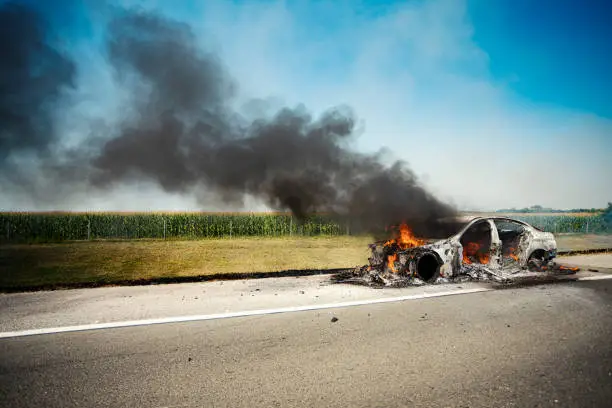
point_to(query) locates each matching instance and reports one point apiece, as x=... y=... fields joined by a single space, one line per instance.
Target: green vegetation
x=590 y=224
x=607 y=216
x=60 y=227
x=540 y=209
x=66 y=249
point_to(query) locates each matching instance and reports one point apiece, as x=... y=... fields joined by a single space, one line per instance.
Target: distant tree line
x=540 y=209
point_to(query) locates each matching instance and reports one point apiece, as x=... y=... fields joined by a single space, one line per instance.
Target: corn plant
x=58 y=227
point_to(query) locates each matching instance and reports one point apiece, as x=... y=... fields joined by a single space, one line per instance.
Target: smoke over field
x=181 y=132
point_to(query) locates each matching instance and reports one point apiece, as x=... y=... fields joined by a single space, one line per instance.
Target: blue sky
x=493 y=103
x=552 y=51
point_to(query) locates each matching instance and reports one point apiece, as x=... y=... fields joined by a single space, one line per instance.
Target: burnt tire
x=428 y=268
x=537 y=260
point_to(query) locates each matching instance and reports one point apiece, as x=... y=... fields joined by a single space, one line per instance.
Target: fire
x=510 y=253
x=565 y=268
x=403 y=240
x=471 y=249
x=391 y=262
x=513 y=255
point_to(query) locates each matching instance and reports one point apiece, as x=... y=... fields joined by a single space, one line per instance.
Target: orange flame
x=565 y=268
x=404 y=239
x=512 y=255
x=471 y=249
x=391 y=262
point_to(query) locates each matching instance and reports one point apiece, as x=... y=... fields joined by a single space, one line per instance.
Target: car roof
x=502 y=219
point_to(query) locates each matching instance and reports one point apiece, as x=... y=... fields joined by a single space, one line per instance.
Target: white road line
x=178 y=319
x=193 y=318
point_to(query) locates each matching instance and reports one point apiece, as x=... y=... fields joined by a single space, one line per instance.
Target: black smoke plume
x=184 y=134
x=33 y=76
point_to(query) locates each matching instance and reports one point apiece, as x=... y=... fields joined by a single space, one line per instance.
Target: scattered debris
x=334 y=319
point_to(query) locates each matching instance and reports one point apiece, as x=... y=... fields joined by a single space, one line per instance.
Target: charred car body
x=495 y=248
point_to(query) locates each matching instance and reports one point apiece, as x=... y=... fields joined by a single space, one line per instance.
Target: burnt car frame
x=492 y=247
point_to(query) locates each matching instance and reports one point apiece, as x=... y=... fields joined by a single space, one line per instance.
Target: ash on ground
x=375 y=278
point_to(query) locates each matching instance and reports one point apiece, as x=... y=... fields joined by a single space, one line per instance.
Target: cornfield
x=58 y=227
x=594 y=224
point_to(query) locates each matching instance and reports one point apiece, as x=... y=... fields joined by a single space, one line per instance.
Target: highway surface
x=546 y=345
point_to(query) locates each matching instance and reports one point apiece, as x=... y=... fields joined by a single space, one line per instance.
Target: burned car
x=496 y=248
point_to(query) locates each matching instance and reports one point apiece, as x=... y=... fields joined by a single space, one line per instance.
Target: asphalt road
x=546 y=345
x=108 y=305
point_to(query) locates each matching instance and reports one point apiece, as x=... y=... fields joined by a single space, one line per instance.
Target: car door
x=480 y=244
x=495 y=252
x=515 y=239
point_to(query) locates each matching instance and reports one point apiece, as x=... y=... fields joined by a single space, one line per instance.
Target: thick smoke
x=33 y=75
x=184 y=135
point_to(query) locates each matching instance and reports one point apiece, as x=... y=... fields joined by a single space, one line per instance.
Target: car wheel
x=537 y=260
